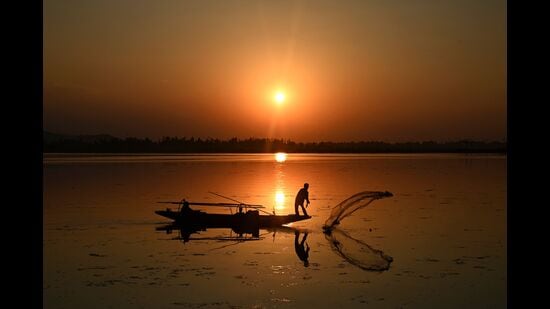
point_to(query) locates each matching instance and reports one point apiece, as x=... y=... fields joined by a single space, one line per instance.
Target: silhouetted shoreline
x=54 y=143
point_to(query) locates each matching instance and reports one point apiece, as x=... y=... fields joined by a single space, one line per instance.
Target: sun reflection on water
x=280 y=157
x=279 y=200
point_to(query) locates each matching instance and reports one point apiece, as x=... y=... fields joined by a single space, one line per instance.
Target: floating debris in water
x=97 y=255
x=281 y=300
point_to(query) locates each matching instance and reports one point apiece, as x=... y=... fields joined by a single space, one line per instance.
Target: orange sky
x=350 y=70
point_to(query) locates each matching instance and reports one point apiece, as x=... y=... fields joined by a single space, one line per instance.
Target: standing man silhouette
x=302 y=196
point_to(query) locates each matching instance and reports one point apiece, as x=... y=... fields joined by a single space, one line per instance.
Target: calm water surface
x=445 y=228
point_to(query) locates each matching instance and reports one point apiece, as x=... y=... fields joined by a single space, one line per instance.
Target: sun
x=279 y=97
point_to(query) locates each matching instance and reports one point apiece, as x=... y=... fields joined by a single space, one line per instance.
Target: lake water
x=444 y=228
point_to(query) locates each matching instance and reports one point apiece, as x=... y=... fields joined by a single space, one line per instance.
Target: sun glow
x=279 y=97
x=280 y=157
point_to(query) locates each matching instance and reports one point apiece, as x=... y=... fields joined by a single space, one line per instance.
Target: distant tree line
x=109 y=144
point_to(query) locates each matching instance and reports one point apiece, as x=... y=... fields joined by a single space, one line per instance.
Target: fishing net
x=357 y=252
x=352 y=204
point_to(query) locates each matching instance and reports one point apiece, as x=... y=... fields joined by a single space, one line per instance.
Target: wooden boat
x=250 y=217
x=242 y=220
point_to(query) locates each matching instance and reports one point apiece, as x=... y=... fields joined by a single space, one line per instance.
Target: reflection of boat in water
x=242 y=232
x=247 y=221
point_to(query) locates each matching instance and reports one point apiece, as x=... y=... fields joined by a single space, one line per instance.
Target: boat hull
x=249 y=219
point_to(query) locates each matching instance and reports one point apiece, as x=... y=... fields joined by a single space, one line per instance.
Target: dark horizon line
x=286 y=140
x=109 y=144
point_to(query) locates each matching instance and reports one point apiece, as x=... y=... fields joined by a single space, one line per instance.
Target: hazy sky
x=350 y=70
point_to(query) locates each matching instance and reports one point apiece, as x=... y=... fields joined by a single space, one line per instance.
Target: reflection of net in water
x=357 y=252
x=352 y=204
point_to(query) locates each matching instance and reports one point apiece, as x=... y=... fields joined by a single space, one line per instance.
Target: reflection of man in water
x=302 y=196
x=302 y=253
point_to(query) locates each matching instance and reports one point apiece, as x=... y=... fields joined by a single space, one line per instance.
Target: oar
x=234 y=200
x=214 y=204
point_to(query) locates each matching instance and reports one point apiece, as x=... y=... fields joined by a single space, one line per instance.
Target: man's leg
x=304 y=210
x=296 y=209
